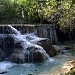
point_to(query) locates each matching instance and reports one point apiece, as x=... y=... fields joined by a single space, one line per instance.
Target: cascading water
x=45 y=31
x=13 y=30
x=52 y=35
x=25 y=47
x=20 y=49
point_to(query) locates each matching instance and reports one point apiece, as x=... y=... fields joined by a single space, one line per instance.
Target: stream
x=37 y=68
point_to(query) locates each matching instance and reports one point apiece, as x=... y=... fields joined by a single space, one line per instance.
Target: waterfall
x=45 y=31
x=53 y=35
x=14 y=30
x=30 y=49
x=48 y=32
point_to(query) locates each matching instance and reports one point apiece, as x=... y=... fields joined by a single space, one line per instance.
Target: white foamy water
x=31 y=37
x=4 y=66
x=29 y=40
x=14 y=30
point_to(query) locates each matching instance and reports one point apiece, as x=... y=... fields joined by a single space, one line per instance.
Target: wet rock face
x=2 y=55
x=1 y=42
x=17 y=55
x=7 y=44
x=31 y=54
x=16 y=58
x=19 y=45
x=48 y=47
x=38 y=57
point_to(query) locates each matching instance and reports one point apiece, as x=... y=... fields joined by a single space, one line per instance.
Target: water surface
x=36 y=68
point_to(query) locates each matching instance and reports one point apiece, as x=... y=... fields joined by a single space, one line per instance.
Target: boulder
x=31 y=54
x=38 y=57
x=16 y=58
x=60 y=49
x=35 y=54
x=48 y=47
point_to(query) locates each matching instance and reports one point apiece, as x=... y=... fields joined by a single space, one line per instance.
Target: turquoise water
x=30 y=68
x=72 y=52
x=35 y=68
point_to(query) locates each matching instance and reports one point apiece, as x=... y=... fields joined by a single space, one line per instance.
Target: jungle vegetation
x=58 y=12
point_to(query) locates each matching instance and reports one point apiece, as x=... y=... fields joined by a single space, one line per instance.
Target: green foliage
x=73 y=1
x=58 y=12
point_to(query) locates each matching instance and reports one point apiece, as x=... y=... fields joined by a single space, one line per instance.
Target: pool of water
x=35 y=68
x=29 y=68
x=72 y=52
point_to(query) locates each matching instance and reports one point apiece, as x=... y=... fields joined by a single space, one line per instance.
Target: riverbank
x=67 y=57
x=62 y=70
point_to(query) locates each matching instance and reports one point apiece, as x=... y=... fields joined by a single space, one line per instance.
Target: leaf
x=73 y=2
